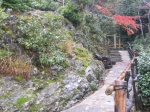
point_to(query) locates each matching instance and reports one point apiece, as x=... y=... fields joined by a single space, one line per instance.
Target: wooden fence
x=126 y=92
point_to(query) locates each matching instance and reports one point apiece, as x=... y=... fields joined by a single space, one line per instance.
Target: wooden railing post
x=127 y=77
x=120 y=95
x=136 y=66
x=115 y=41
x=132 y=70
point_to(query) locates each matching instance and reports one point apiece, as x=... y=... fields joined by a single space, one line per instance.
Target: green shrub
x=44 y=37
x=57 y=57
x=19 y=5
x=70 y=12
x=45 y=4
x=84 y=2
x=3 y=16
x=144 y=79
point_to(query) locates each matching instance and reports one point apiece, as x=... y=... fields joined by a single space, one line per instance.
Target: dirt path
x=99 y=101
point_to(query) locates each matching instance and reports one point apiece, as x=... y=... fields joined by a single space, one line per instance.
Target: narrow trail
x=99 y=101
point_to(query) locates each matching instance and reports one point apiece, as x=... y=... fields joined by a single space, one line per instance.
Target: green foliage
x=19 y=5
x=44 y=4
x=84 y=2
x=144 y=80
x=127 y=7
x=3 y=16
x=57 y=57
x=18 y=78
x=99 y=25
x=86 y=63
x=20 y=101
x=6 y=95
x=93 y=86
x=35 y=108
x=4 y=53
x=44 y=37
x=70 y=12
x=82 y=54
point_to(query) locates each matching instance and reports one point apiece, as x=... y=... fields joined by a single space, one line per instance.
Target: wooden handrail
x=110 y=89
x=120 y=86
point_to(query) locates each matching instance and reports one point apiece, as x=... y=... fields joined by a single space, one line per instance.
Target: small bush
x=44 y=37
x=71 y=13
x=57 y=57
x=144 y=80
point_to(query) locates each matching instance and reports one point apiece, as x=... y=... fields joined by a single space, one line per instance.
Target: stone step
x=112 y=56
x=115 y=56
x=113 y=51
x=117 y=60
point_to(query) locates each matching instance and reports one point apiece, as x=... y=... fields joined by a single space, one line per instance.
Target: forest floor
x=99 y=101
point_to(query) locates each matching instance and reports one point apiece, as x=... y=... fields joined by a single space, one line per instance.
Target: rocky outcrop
x=41 y=94
x=46 y=92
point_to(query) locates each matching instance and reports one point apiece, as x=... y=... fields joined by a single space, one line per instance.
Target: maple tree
x=127 y=22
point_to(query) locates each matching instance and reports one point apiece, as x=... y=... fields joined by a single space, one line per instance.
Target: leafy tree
x=127 y=22
x=127 y=7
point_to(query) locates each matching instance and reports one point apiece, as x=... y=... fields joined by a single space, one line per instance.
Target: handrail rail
x=120 y=86
x=130 y=50
x=110 y=89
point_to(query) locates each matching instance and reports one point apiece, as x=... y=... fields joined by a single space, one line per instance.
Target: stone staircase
x=115 y=56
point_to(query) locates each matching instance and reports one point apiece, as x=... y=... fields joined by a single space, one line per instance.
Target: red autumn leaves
x=127 y=22
x=103 y=10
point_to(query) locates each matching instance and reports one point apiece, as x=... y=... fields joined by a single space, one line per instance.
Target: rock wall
x=40 y=94
x=46 y=92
